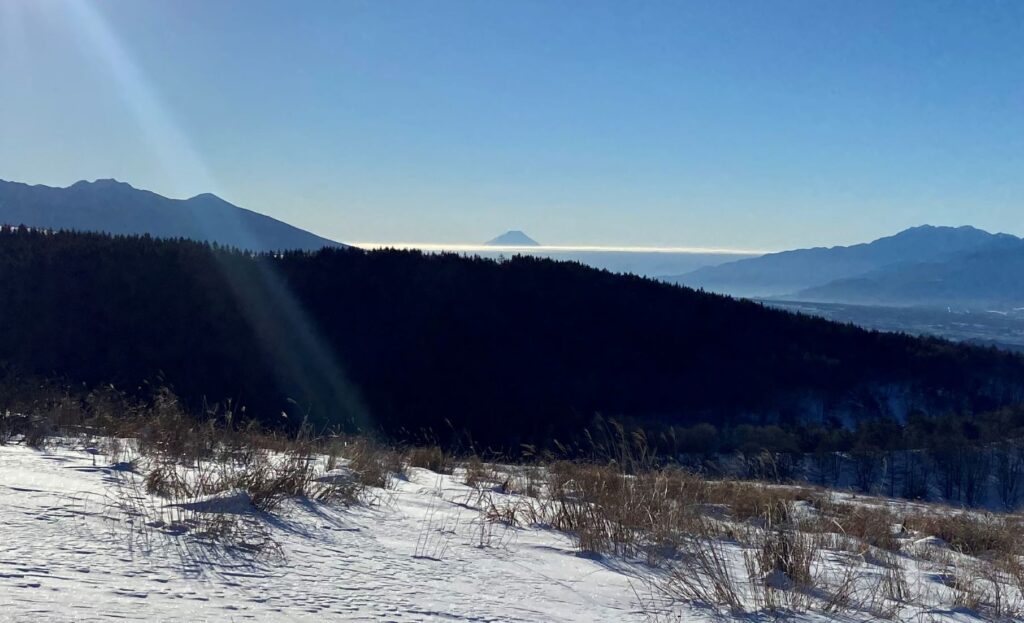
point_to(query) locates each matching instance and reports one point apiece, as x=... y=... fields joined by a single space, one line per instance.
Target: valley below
x=1003 y=328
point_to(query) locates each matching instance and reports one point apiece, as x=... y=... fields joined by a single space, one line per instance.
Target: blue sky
x=755 y=125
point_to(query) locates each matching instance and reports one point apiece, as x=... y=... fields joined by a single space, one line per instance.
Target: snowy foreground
x=421 y=551
x=64 y=557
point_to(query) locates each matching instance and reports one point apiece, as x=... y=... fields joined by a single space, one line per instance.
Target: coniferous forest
x=453 y=348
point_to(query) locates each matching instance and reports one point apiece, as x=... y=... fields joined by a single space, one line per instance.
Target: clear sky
x=757 y=125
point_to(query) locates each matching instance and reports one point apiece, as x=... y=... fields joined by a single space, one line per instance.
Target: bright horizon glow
x=473 y=248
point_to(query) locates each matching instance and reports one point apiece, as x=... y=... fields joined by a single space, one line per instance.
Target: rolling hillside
x=525 y=350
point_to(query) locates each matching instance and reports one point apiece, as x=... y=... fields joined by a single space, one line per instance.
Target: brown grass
x=375 y=463
x=433 y=458
x=755 y=501
x=479 y=474
x=971 y=533
x=611 y=512
x=868 y=525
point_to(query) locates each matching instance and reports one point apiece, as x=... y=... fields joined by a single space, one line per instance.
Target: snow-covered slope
x=75 y=547
x=66 y=554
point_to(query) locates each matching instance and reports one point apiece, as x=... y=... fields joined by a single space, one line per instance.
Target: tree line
x=971 y=459
x=458 y=349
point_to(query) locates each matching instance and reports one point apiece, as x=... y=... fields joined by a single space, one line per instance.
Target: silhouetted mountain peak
x=209 y=199
x=103 y=184
x=513 y=238
x=113 y=206
x=932 y=231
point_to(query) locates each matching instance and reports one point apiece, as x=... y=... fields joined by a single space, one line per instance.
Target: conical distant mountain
x=513 y=238
x=119 y=208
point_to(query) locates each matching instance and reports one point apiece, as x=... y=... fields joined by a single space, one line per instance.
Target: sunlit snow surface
x=63 y=558
x=420 y=552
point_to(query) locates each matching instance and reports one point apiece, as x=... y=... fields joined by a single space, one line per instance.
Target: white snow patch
x=67 y=555
x=72 y=550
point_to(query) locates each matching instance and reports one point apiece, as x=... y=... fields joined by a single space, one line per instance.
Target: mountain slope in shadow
x=781 y=274
x=115 y=207
x=991 y=276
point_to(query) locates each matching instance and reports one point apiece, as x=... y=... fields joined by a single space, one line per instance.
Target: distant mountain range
x=927 y=265
x=513 y=238
x=118 y=208
x=963 y=267
x=989 y=276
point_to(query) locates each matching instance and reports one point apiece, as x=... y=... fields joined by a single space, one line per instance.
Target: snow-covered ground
x=66 y=555
x=421 y=551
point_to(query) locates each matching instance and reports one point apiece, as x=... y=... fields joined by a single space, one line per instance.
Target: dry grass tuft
x=479 y=474
x=433 y=458
x=704 y=576
x=611 y=512
x=374 y=463
x=971 y=533
x=867 y=525
x=755 y=501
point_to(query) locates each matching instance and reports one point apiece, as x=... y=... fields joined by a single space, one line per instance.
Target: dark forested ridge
x=518 y=351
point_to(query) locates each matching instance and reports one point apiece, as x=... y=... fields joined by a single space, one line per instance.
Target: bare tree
x=828 y=466
x=1009 y=472
x=867 y=466
x=976 y=471
x=949 y=469
x=916 y=473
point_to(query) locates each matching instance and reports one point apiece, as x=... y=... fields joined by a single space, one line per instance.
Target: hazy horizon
x=681 y=125
x=440 y=246
x=542 y=248
x=557 y=247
